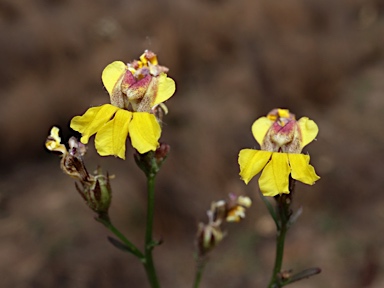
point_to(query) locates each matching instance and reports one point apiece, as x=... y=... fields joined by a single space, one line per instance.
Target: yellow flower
x=282 y=139
x=136 y=90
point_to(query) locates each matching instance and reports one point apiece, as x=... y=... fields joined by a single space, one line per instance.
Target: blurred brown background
x=233 y=61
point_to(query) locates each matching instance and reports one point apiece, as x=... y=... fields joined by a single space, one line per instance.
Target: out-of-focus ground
x=233 y=61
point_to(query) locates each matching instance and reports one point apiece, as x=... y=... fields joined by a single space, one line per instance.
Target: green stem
x=283 y=215
x=106 y=221
x=284 y=219
x=149 y=243
x=200 y=265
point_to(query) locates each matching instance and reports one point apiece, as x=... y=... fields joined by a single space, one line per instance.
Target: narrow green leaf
x=302 y=275
x=270 y=209
x=119 y=245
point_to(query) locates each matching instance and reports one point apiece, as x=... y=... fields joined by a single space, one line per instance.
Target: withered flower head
x=95 y=189
x=210 y=235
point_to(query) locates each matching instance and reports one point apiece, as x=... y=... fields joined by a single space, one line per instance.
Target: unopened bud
x=151 y=161
x=161 y=153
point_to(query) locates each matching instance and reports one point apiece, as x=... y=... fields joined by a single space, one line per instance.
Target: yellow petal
x=301 y=170
x=137 y=90
x=283 y=113
x=111 y=138
x=252 y=162
x=53 y=142
x=92 y=120
x=166 y=88
x=235 y=214
x=164 y=108
x=308 y=129
x=144 y=131
x=112 y=74
x=244 y=201
x=275 y=177
x=260 y=128
x=55 y=134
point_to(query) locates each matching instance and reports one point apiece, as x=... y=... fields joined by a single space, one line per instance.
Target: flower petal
x=260 y=128
x=138 y=89
x=53 y=142
x=111 y=138
x=166 y=88
x=252 y=162
x=92 y=120
x=301 y=170
x=145 y=132
x=275 y=177
x=114 y=77
x=112 y=74
x=308 y=129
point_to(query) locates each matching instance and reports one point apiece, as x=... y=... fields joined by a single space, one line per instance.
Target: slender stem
x=283 y=215
x=279 y=257
x=284 y=219
x=149 y=243
x=106 y=221
x=200 y=265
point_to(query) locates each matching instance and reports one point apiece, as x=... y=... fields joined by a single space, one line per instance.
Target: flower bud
x=161 y=153
x=151 y=162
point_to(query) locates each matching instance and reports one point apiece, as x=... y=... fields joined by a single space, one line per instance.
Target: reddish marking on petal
x=138 y=89
x=144 y=82
x=286 y=128
x=128 y=80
